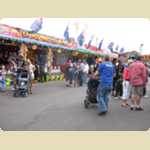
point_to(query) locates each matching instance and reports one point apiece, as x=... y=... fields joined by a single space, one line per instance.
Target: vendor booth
x=47 y=53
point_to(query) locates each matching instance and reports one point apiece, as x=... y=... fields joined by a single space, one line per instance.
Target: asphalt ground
x=54 y=107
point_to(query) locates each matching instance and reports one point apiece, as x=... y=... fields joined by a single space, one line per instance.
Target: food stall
x=49 y=52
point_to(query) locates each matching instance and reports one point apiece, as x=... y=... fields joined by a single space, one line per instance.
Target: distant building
x=124 y=56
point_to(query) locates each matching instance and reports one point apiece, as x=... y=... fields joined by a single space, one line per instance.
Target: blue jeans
x=3 y=85
x=80 y=76
x=103 y=93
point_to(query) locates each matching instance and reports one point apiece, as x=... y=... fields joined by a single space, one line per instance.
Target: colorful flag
x=122 y=50
x=66 y=33
x=141 y=47
x=81 y=39
x=37 y=25
x=90 y=41
x=100 y=44
x=117 y=48
x=110 y=46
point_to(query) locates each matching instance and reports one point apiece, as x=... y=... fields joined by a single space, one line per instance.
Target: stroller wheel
x=15 y=94
x=86 y=104
x=25 y=94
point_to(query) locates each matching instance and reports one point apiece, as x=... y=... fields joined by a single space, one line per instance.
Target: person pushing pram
x=23 y=82
x=92 y=85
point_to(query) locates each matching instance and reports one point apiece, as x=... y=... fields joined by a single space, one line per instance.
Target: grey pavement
x=54 y=107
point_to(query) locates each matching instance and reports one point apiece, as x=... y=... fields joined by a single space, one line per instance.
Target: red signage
x=94 y=48
x=20 y=33
x=6 y=30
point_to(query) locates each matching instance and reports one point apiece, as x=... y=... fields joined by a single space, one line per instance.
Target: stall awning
x=9 y=37
x=32 y=41
x=87 y=51
x=22 y=36
x=46 y=44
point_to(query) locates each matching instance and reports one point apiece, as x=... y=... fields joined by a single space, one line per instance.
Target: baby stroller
x=91 y=92
x=23 y=83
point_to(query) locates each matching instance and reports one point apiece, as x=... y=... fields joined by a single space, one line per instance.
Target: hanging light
x=59 y=51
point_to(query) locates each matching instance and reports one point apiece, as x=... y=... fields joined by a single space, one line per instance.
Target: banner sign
x=28 y=37
x=20 y=33
x=6 y=30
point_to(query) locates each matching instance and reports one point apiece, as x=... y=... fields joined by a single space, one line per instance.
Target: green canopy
x=86 y=51
x=90 y=52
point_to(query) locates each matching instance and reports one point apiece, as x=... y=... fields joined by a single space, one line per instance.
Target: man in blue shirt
x=106 y=73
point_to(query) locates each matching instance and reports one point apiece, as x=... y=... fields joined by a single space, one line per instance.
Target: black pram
x=23 y=83
x=91 y=92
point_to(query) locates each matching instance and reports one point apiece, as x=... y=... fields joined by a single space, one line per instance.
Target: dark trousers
x=144 y=91
x=118 y=88
x=80 y=78
x=42 y=73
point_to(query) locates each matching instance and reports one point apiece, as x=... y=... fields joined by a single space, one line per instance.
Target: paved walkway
x=56 y=107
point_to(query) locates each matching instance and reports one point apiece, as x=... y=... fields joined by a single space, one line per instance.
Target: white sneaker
x=116 y=98
x=146 y=96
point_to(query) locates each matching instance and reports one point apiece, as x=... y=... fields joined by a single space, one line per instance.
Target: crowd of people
x=127 y=81
x=76 y=73
x=123 y=81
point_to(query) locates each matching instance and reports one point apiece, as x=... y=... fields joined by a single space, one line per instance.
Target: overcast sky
x=125 y=32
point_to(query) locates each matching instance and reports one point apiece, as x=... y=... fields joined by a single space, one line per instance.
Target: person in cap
x=137 y=77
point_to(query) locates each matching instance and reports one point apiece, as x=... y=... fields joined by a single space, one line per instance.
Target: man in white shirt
x=84 y=67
